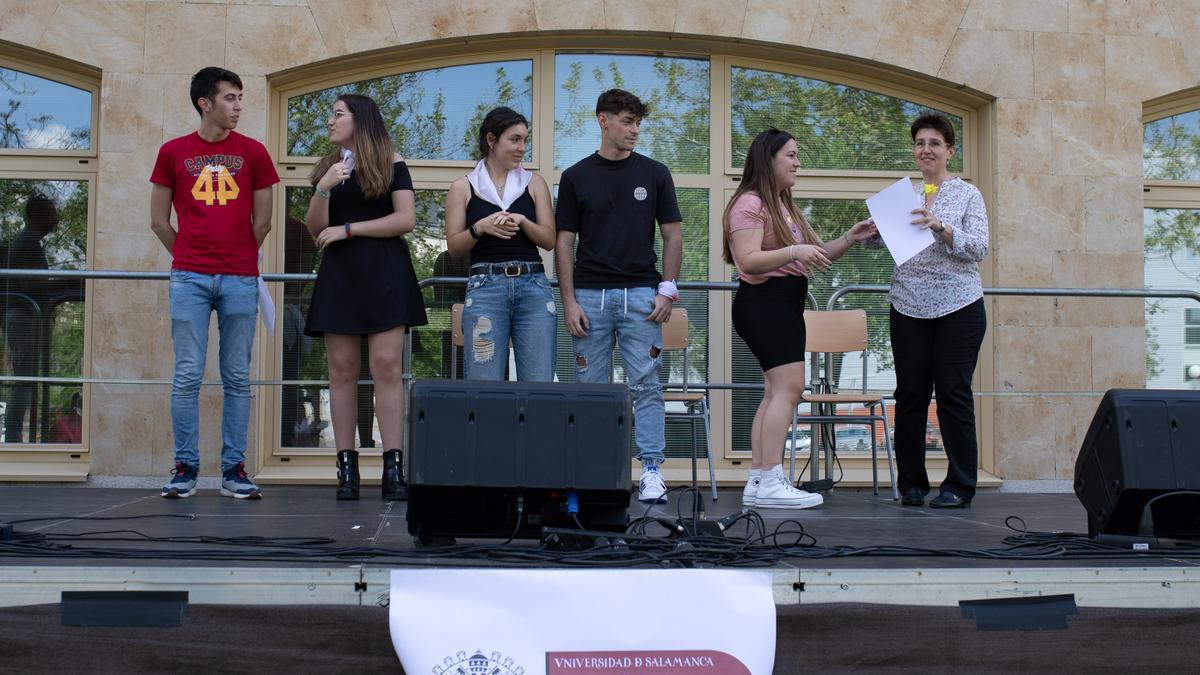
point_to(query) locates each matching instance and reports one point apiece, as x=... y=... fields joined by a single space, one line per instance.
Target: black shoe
x=913 y=497
x=348 y=481
x=394 y=487
x=948 y=500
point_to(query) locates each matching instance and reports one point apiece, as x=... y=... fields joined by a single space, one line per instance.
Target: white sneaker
x=651 y=489
x=750 y=492
x=776 y=492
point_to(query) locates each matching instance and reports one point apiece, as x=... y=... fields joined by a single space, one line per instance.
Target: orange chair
x=694 y=401
x=841 y=332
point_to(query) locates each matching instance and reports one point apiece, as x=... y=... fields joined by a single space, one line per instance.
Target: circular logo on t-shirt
x=639 y=193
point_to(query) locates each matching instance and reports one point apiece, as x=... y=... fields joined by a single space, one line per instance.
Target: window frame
x=1160 y=193
x=56 y=69
x=974 y=107
x=57 y=461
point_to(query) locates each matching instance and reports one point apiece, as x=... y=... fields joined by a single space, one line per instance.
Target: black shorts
x=769 y=317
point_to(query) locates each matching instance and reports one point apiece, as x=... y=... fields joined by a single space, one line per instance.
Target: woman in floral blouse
x=938 y=323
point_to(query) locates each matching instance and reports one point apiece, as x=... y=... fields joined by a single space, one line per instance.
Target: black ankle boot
x=394 y=487
x=347 y=474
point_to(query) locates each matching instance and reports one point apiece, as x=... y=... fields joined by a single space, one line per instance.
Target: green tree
x=836 y=127
x=418 y=129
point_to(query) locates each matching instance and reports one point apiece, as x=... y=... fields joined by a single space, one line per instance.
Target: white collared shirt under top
x=944 y=277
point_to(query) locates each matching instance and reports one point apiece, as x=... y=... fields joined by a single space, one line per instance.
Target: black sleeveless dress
x=365 y=284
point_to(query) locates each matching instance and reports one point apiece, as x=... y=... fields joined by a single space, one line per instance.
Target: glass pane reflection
x=37 y=113
x=43 y=225
x=1171 y=147
x=676 y=90
x=1172 y=260
x=431 y=114
x=836 y=126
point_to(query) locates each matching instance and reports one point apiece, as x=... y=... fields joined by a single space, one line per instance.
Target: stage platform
x=299 y=545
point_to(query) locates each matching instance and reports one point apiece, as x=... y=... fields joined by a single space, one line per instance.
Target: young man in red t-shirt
x=219 y=183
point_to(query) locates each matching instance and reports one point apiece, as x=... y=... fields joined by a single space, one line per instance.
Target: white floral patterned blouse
x=944 y=277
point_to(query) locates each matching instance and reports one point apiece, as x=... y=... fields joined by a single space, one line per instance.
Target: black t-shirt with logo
x=613 y=206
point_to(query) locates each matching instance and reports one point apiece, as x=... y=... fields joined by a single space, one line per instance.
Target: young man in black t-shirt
x=611 y=200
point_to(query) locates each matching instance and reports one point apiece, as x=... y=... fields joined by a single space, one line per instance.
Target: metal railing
x=682 y=285
x=834 y=299
x=725 y=286
x=1143 y=293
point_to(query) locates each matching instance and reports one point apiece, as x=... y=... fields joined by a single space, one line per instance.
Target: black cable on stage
x=758 y=548
x=186 y=516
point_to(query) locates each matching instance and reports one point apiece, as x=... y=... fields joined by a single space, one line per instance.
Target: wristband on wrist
x=473 y=231
x=324 y=194
x=669 y=289
x=792 y=252
x=349 y=234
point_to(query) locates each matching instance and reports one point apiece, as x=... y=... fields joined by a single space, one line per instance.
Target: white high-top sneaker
x=750 y=492
x=776 y=492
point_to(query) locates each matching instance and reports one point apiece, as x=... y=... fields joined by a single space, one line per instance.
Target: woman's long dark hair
x=758 y=176
x=373 y=152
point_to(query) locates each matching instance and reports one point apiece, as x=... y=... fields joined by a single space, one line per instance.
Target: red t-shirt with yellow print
x=213 y=185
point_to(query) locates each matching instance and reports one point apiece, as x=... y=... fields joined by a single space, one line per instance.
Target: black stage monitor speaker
x=1143 y=446
x=490 y=459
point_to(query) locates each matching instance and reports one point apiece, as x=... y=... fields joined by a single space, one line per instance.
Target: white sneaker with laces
x=750 y=492
x=776 y=492
x=651 y=489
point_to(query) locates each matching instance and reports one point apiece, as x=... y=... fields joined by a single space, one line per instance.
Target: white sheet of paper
x=892 y=209
x=266 y=305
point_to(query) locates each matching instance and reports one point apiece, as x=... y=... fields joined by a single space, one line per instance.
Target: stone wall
x=1069 y=78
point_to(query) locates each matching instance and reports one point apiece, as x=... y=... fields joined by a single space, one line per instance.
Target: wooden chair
x=695 y=402
x=841 y=332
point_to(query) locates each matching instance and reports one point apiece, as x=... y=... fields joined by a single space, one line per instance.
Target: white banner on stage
x=583 y=622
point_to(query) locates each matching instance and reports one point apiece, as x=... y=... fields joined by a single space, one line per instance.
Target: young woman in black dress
x=361 y=206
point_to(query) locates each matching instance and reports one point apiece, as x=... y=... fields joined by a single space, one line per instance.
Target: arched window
x=1171 y=220
x=852 y=127
x=48 y=114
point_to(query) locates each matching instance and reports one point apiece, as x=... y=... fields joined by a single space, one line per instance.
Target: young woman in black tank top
x=500 y=214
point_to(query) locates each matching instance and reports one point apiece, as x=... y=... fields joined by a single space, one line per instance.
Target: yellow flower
x=930 y=188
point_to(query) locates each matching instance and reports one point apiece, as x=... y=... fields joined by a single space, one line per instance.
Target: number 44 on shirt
x=215 y=183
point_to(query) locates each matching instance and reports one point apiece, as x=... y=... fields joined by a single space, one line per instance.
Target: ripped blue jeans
x=621 y=315
x=499 y=309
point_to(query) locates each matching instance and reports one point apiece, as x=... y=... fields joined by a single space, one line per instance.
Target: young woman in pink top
x=774 y=248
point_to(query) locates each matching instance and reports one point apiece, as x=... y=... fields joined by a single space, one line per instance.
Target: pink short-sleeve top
x=748 y=212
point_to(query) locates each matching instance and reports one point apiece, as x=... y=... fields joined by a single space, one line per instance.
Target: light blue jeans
x=621 y=314
x=499 y=308
x=194 y=296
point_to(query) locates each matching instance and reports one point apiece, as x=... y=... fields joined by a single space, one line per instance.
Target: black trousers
x=937 y=354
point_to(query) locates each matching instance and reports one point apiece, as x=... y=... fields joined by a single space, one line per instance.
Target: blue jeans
x=621 y=314
x=499 y=309
x=194 y=296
